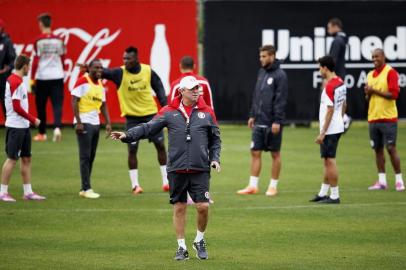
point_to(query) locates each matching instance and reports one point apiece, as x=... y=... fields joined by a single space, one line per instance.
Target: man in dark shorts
x=381 y=91
x=194 y=147
x=266 y=118
x=332 y=108
x=18 y=137
x=134 y=82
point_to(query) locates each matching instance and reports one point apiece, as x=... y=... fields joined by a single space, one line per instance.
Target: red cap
x=2 y=24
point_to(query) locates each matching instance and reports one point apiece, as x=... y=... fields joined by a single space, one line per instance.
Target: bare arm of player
x=251 y=122
x=329 y=116
x=344 y=108
x=106 y=116
x=158 y=88
x=75 y=107
x=276 y=127
x=369 y=91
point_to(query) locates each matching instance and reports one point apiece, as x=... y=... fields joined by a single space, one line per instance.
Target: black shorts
x=264 y=140
x=18 y=143
x=131 y=122
x=328 y=148
x=382 y=134
x=197 y=184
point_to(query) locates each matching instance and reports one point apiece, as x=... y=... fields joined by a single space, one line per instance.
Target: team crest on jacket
x=269 y=81
x=201 y=115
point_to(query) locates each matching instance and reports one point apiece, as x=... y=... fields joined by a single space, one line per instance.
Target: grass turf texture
x=121 y=231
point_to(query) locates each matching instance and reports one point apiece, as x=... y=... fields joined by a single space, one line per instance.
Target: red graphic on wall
x=163 y=32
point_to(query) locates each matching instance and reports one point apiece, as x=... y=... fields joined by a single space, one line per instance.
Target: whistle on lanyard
x=187 y=131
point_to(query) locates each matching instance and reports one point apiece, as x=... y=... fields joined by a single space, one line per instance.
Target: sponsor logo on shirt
x=201 y=115
x=135 y=81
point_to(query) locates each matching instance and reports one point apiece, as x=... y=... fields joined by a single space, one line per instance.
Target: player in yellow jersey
x=135 y=82
x=381 y=91
x=88 y=100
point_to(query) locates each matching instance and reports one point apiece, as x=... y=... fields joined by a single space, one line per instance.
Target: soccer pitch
x=121 y=231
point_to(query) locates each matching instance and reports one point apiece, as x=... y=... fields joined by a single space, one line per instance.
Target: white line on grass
x=232 y=193
x=249 y=208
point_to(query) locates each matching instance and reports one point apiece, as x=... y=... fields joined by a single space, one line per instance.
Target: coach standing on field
x=266 y=117
x=194 y=147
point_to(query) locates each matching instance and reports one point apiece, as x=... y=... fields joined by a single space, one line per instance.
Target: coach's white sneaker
x=57 y=135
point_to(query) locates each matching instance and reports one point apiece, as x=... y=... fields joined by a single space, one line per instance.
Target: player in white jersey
x=18 y=138
x=332 y=109
x=47 y=77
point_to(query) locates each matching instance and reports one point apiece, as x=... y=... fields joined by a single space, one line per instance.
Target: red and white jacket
x=333 y=95
x=16 y=101
x=49 y=58
x=205 y=89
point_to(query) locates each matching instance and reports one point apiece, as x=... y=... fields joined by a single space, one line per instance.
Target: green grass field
x=120 y=231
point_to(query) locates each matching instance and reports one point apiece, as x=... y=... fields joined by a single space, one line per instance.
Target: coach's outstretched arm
x=141 y=131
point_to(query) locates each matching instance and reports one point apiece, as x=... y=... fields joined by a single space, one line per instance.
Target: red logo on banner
x=95 y=29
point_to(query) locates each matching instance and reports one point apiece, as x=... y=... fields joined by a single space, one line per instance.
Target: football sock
x=273 y=183
x=164 y=174
x=4 y=189
x=253 y=181
x=27 y=189
x=188 y=197
x=199 y=236
x=134 y=178
x=382 y=179
x=182 y=243
x=324 y=190
x=399 y=178
x=334 y=195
